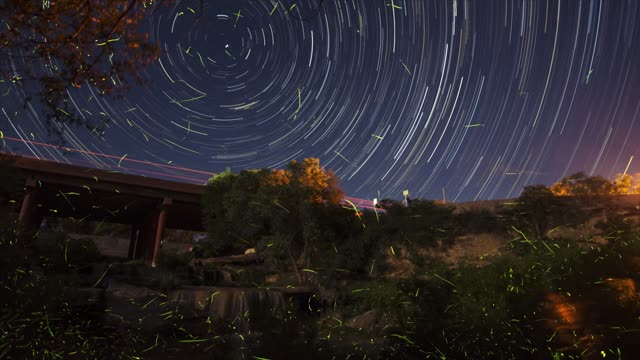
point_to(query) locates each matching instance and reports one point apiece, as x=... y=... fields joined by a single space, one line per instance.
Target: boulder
x=366 y=321
x=196 y=298
x=135 y=307
x=235 y=305
x=272 y=279
x=624 y=290
x=231 y=303
x=122 y=290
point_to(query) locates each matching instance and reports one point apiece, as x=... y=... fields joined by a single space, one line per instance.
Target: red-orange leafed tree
x=49 y=47
x=297 y=196
x=317 y=183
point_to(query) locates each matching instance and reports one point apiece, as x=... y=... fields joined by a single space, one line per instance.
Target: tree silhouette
x=49 y=47
x=535 y=210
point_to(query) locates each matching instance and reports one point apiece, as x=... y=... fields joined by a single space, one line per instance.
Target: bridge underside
x=148 y=209
x=96 y=205
x=148 y=217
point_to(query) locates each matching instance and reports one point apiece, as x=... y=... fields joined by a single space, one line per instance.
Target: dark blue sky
x=477 y=97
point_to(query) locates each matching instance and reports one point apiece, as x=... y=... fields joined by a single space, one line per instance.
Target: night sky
x=477 y=97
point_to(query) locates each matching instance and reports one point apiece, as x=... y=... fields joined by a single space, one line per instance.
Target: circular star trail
x=474 y=98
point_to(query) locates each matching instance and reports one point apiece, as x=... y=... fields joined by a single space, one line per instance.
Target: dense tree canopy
x=278 y=210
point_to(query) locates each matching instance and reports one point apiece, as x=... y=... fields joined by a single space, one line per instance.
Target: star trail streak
x=478 y=98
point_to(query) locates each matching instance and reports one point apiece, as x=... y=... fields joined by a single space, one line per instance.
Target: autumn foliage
x=579 y=184
x=317 y=184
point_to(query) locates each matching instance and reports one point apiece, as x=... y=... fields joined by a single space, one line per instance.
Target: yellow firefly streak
x=345 y=159
x=295 y=115
x=122 y=158
x=394 y=5
x=589 y=74
x=184 y=101
x=238 y=16
x=274 y=8
x=406 y=68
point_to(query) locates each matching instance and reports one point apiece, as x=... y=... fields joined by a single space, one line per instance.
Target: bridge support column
x=134 y=241
x=162 y=215
x=146 y=236
x=29 y=216
x=143 y=246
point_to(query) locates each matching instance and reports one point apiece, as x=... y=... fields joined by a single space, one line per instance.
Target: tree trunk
x=304 y=257
x=293 y=263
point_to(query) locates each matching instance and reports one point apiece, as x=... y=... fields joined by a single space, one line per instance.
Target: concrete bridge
x=147 y=204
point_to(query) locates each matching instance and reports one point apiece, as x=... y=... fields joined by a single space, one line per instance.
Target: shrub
x=476 y=221
x=492 y=311
x=534 y=211
x=538 y=210
x=384 y=296
x=353 y=254
x=273 y=251
x=213 y=209
x=59 y=253
x=616 y=229
x=489 y=310
x=172 y=260
x=423 y=223
x=83 y=251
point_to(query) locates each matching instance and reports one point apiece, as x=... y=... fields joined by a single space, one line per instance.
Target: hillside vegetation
x=553 y=248
x=541 y=276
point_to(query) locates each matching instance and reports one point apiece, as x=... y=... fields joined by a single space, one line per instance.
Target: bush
x=59 y=253
x=491 y=311
x=358 y=250
x=476 y=221
x=83 y=251
x=385 y=296
x=538 y=210
x=616 y=229
x=214 y=213
x=353 y=255
x=424 y=223
x=172 y=260
x=273 y=251
x=36 y=318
